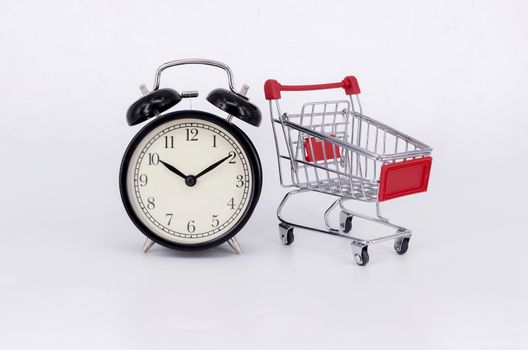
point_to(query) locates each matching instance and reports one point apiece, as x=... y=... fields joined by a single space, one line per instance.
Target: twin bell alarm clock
x=189 y=179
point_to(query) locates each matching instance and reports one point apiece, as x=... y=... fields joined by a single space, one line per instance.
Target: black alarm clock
x=189 y=179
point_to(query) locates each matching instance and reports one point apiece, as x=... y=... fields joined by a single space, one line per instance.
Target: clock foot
x=233 y=243
x=148 y=244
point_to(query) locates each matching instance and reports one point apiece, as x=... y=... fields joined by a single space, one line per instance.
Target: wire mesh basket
x=333 y=148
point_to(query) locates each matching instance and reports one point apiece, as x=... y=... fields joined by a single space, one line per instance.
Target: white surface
x=451 y=73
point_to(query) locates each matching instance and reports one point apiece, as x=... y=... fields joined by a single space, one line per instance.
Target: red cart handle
x=272 y=88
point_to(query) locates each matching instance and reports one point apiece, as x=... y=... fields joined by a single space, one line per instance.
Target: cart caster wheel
x=401 y=245
x=363 y=258
x=286 y=234
x=346 y=222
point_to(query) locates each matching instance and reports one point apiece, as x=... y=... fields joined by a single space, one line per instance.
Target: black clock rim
x=236 y=132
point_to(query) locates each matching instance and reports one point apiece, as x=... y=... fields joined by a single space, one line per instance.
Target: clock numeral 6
x=150 y=203
x=153 y=158
x=216 y=222
x=192 y=134
x=143 y=180
x=190 y=226
x=240 y=181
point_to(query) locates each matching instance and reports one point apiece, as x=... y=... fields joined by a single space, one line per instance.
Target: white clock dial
x=189 y=181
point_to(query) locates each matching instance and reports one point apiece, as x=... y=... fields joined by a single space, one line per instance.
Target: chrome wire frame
x=359 y=145
x=357 y=243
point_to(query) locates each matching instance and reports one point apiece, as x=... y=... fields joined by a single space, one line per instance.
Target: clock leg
x=233 y=243
x=148 y=244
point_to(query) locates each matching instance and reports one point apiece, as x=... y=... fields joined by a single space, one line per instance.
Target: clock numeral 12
x=214 y=140
x=192 y=134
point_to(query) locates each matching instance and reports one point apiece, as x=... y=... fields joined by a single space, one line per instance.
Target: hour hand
x=173 y=169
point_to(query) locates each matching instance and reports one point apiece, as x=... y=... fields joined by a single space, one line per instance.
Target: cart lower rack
x=331 y=147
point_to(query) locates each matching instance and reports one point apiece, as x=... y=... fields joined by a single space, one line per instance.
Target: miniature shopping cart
x=333 y=148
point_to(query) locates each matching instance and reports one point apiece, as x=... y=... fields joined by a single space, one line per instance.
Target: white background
x=451 y=73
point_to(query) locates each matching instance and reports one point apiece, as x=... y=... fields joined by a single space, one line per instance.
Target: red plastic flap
x=404 y=178
x=312 y=143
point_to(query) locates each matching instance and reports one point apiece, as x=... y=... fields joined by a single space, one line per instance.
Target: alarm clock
x=190 y=180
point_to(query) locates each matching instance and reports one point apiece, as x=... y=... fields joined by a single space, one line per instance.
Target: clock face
x=190 y=180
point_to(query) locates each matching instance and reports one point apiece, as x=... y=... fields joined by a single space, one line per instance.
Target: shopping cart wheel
x=345 y=222
x=361 y=256
x=401 y=245
x=286 y=234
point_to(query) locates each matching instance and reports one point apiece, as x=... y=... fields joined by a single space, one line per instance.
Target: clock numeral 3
x=231 y=203
x=153 y=159
x=192 y=134
x=169 y=141
x=169 y=216
x=240 y=180
x=216 y=222
x=150 y=203
x=190 y=226
x=143 y=180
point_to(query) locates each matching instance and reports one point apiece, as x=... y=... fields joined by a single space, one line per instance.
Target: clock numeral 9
x=169 y=141
x=231 y=203
x=190 y=226
x=150 y=203
x=240 y=180
x=153 y=159
x=216 y=222
x=143 y=180
x=169 y=216
x=233 y=156
x=192 y=134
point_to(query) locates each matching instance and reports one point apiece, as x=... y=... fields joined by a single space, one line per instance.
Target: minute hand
x=211 y=167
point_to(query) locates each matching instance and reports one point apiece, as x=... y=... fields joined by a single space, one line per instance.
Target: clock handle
x=225 y=67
